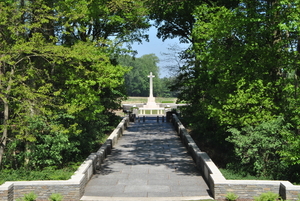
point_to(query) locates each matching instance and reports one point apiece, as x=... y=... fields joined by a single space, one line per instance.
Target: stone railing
x=217 y=183
x=71 y=189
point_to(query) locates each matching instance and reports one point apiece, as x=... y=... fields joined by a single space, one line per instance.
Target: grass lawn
x=144 y=100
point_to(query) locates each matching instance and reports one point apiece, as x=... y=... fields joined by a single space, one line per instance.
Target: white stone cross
x=151 y=84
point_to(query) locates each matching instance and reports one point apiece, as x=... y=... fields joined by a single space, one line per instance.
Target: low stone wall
x=71 y=189
x=217 y=183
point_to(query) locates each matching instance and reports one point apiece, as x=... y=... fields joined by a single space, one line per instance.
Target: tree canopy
x=242 y=83
x=58 y=77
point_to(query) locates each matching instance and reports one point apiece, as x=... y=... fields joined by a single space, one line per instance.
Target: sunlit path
x=148 y=163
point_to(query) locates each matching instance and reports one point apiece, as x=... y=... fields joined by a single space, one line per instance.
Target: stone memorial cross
x=151 y=84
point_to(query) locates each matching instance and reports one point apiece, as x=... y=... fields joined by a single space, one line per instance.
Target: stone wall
x=6 y=191
x=71 y=189
x=217 y=183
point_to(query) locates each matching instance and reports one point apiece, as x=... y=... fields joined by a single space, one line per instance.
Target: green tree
x=242 y=78
x=175 y=18
x=167 y=83
x=256 y=147
x=91 y=20
x=24 y=86
x=58 y=76
x=136 y=81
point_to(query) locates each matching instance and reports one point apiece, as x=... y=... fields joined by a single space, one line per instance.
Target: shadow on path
x=149 y=161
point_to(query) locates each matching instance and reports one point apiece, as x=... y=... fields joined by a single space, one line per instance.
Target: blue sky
x=157 y=46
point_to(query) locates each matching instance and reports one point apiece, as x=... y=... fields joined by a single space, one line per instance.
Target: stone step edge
x=98 y=198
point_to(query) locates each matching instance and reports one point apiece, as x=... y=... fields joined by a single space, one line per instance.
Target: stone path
x=148 y=163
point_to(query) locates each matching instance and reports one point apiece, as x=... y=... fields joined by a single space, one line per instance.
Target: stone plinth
x=151 y=103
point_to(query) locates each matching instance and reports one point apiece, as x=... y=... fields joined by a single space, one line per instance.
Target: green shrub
x=257 y=146
x=231 y=196
x=48 y=173
x=268 y=196
x=28 y=197
x=56 y=197
x=240 y=174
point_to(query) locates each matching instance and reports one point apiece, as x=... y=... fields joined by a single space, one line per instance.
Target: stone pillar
x=151 y=84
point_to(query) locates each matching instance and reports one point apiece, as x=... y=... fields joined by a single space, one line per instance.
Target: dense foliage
x=59 y=81
x=242 y=83
x=137 y=81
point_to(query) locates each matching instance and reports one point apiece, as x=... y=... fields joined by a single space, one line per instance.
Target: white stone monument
x=151 y=100
x=151 y=107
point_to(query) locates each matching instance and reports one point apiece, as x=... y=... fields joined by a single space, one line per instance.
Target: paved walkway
x=148 y=163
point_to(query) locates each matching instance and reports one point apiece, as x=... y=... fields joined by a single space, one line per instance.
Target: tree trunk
x=4 y=134
x=27 y=153
x=3 y=139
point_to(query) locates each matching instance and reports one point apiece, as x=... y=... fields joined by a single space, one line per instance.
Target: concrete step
x=97 y=198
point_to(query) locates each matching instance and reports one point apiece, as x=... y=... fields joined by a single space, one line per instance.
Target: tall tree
x=91 y=20
x=241 y=82
x=58 y=76
x=137 y=82
x=175 y=18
